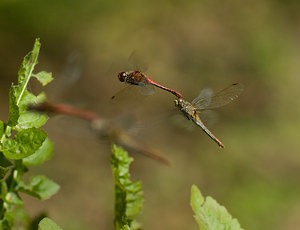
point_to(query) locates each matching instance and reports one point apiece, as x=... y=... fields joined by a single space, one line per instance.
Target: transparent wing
x=203 y=99
x=146 y=89
x=135 y=60
x=209 y=117
x=129 y=95
x=73 y=67
x=68 y=77
x=219 y=99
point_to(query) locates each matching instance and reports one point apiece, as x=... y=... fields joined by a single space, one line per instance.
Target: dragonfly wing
x=128 y=96
x=119 y=95
x=209 y=117
x=135 y=60
x=146 y=89
x=223 y=97
x=203 y=99
x=68 y=77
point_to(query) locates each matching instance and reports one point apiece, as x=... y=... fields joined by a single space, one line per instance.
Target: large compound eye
x=176 y=102
x=122 y=76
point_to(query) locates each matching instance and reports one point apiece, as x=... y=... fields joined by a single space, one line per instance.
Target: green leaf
x=13 y=198
x=26 y=70
x=128 y=195
x=43 y=77
x=4 y=164
x=29 y=119
x=48 y=224
x=126 y=227
x=13 y=108
x=209 y=214
x=7 y=221
x=2 y=128
x=26 y=142
x=3 y=172
x=20 y=98
x=41 y=155
x=40 y=186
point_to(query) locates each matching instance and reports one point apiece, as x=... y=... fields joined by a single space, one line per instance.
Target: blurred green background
x=188 y=45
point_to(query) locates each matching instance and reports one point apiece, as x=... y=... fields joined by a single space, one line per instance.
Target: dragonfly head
x=122 y=76
x=178 y=102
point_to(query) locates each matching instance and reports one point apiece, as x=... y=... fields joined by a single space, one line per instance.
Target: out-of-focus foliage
x=48 y=224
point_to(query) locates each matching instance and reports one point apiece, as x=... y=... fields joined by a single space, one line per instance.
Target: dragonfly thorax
x=186 y=108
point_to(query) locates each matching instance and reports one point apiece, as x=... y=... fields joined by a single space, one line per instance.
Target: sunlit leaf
x=29 y=119
x=40 y=186
x=128 y=195
x=25 y=143
x=43 y=77
x=48 y=224
x=209 y=214
x=20 y=138
x=26 y=70
x=20 y=98
x=13 y=108
x=41 y=155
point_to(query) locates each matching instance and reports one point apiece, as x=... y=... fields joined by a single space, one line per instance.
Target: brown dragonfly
x=207 y=100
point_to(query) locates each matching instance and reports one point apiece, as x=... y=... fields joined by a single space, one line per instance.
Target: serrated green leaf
x=128 y=195
x=196 y=199
x=43 y=77
x=29 y=119
x=20 y=98
x=48 y=224
x=41 y=155
x=26 y=142
x=13 y=108
x=209 y=214
x=40 y=186
x=26 y=70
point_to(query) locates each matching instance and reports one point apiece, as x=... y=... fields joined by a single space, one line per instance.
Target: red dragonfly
x=207 y=100
x=146 y=84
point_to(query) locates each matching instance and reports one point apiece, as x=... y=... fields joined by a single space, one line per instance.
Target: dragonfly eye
x=122 y=76
x=176 y=102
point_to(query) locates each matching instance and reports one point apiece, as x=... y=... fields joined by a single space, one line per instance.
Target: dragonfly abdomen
x=198 y=122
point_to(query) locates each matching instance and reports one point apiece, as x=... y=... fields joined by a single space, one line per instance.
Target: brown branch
x=104 y=128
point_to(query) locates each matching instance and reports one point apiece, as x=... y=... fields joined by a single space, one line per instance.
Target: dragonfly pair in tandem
x=205 y=100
